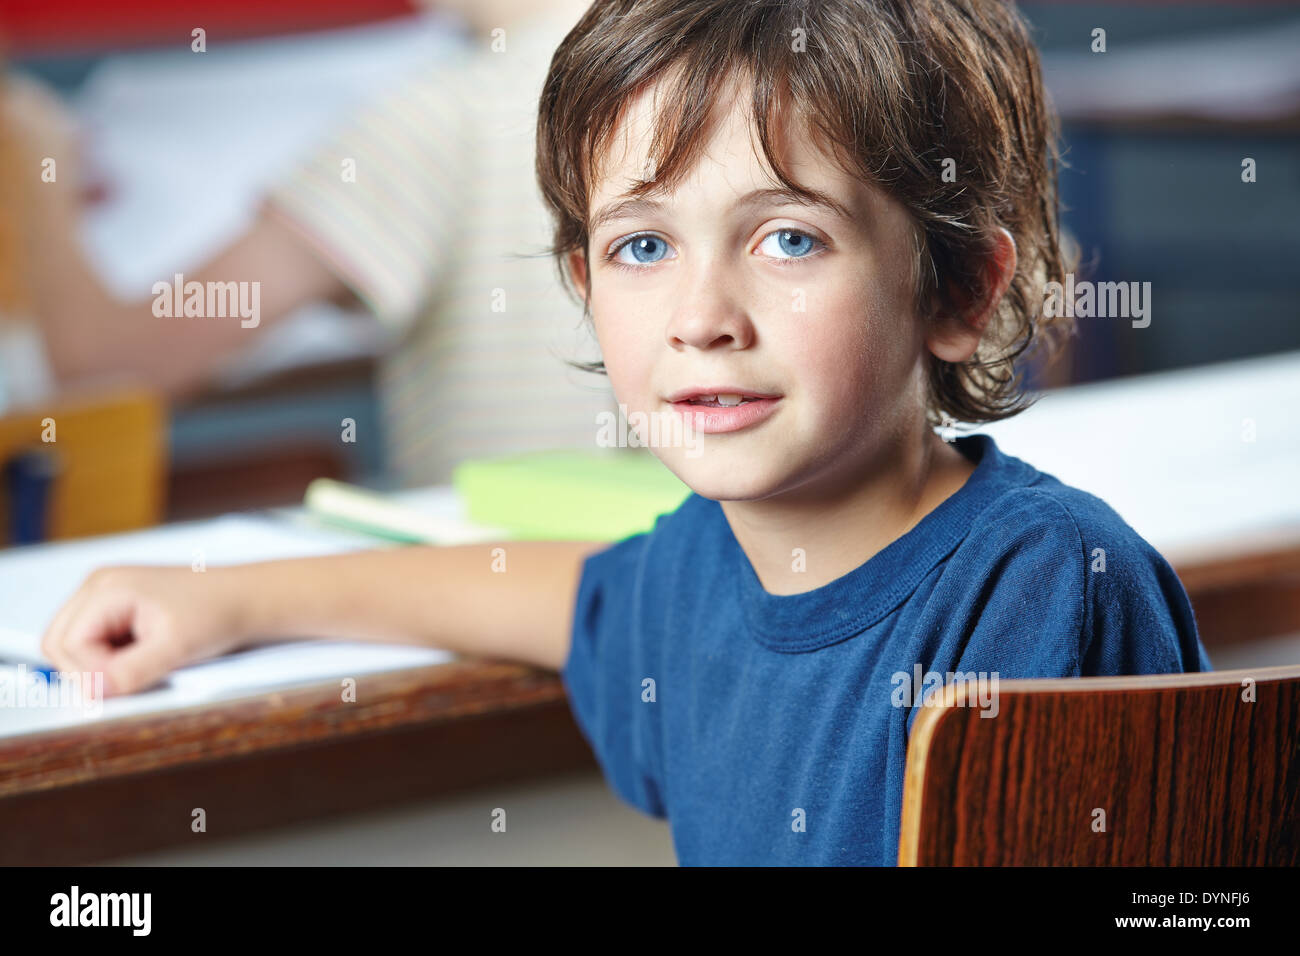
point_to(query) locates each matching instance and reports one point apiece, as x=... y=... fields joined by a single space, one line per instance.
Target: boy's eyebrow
x=780 y=196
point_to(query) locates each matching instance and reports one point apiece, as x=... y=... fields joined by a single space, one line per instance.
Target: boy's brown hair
x=891 y=89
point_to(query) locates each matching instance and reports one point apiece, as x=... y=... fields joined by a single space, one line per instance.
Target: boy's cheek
x=631 y=386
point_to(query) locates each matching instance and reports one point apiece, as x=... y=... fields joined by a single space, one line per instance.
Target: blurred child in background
x=425 y=210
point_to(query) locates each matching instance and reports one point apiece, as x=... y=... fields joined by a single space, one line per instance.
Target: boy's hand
x=138 y=624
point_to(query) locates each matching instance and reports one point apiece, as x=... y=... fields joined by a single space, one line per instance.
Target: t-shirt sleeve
x=1140 y=618
x=1075 y=592
x=381 y=201
x=605 y=672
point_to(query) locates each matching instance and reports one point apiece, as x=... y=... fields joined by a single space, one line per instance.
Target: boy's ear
x=954 y=337
x=577 y=263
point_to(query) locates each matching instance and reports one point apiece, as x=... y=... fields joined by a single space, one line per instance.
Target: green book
x=598 y=495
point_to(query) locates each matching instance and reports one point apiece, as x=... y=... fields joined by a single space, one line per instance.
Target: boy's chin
x=720 y=478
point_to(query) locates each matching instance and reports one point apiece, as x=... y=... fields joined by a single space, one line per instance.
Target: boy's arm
x=136 y=624
x=510 y=600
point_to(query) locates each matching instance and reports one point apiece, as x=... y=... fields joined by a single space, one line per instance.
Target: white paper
x=36 y=580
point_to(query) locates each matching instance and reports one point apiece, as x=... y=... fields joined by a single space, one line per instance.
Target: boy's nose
x=710 y=315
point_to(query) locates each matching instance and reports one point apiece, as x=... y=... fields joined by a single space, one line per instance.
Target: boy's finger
x=138 y=666
x=92 y=626
x=52 y=641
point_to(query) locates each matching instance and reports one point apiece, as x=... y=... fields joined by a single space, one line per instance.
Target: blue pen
x=34 y=664
x=48 y=674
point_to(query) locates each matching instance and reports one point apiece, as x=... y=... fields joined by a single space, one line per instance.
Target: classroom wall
x=1166 y=205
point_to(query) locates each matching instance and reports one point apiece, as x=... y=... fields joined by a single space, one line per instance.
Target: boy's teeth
x=725 y=401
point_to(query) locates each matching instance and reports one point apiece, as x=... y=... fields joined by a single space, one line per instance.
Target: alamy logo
x=55 y=689
x=924 y=689
x=647 y=430
x=212 y=300
x=102 y=909
x=1102 y=300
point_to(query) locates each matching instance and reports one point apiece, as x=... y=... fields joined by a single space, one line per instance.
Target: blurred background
x=175 y=152
x=1184 y=90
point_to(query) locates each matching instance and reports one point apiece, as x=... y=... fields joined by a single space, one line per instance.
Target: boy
x=737 y=669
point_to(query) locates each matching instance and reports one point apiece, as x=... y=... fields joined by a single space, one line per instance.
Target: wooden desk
x=130 y=785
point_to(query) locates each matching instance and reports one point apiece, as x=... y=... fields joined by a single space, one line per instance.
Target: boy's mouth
x=715 y=410
x=720 y=401
x=721 y=397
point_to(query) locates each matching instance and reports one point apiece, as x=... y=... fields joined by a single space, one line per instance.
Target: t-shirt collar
x=844 y=607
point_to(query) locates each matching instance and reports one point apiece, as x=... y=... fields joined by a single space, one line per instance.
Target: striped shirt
x=427 y=207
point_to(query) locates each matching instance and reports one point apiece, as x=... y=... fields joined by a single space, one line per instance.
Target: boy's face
x=777 y=299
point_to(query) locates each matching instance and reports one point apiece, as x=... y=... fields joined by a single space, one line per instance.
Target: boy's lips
x=702 y=410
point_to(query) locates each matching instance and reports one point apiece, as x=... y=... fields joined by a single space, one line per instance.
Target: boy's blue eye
x=651 y=247
x=648 y=249
x=793 y=243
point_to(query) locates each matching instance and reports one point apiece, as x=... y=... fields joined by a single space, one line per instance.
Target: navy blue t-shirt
x=772 y=729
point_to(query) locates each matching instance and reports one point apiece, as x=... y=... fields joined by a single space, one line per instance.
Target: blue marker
x=48 y=674
x=34 y=665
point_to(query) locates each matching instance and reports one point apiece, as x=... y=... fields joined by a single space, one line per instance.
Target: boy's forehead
x=732 y=153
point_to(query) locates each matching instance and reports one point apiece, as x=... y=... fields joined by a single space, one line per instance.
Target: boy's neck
x=838 y=532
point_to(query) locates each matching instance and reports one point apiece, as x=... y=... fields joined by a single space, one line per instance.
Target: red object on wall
x=57 y=26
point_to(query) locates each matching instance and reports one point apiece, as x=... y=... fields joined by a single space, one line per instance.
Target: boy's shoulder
x=1044 y=505
x=1034 y=510
x=1045 y=542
